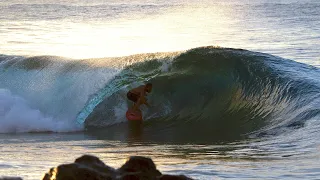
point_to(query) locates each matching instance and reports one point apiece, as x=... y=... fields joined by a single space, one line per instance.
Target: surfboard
x=132 y=115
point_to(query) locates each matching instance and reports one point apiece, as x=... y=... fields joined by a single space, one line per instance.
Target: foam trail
x=16 y=116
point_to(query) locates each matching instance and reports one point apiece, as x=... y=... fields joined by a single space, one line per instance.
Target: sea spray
x=17 y=116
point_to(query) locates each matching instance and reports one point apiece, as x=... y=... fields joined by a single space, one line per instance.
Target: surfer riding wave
x=138 y=96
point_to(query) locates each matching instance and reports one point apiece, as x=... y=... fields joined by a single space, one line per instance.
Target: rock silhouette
x=89 y=167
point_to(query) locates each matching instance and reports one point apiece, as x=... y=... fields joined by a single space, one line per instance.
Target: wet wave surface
x=215 y=94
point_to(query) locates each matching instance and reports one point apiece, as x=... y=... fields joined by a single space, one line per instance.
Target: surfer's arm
x=144 y=101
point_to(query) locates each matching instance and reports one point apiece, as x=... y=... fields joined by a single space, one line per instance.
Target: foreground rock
x=90 y=167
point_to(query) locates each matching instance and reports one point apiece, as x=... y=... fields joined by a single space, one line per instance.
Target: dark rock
x=90 y=167
x=75 y=172
x=95 y=163
x=131 y=177
x=140 y=165
x=85 y=168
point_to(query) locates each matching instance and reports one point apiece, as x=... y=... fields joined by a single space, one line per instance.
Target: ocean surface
x=236 y=85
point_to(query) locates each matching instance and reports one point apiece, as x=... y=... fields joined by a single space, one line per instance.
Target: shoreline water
x=219 y=112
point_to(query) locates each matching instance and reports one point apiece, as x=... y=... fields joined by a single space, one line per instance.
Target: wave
x=16 y=116
x=214 y=93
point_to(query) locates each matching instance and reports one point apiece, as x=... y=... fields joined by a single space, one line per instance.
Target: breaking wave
x=217 y=93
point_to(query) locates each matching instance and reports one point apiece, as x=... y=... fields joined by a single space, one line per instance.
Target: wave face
x=204 y=93
x=214 y=93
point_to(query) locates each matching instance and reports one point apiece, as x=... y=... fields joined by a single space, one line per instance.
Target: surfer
x=138 y=96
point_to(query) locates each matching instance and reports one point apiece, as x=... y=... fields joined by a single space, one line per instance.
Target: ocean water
x=236 y=86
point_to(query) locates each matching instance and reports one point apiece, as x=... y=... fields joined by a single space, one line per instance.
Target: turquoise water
x=254 y=113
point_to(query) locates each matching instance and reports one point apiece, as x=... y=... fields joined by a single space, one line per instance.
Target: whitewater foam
x=17 y=116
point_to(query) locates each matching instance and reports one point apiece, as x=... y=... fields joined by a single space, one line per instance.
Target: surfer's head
x=148 y=87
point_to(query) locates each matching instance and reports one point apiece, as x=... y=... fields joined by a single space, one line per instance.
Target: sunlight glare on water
x=117 y=28
x=171 y=30
x=217 y=113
